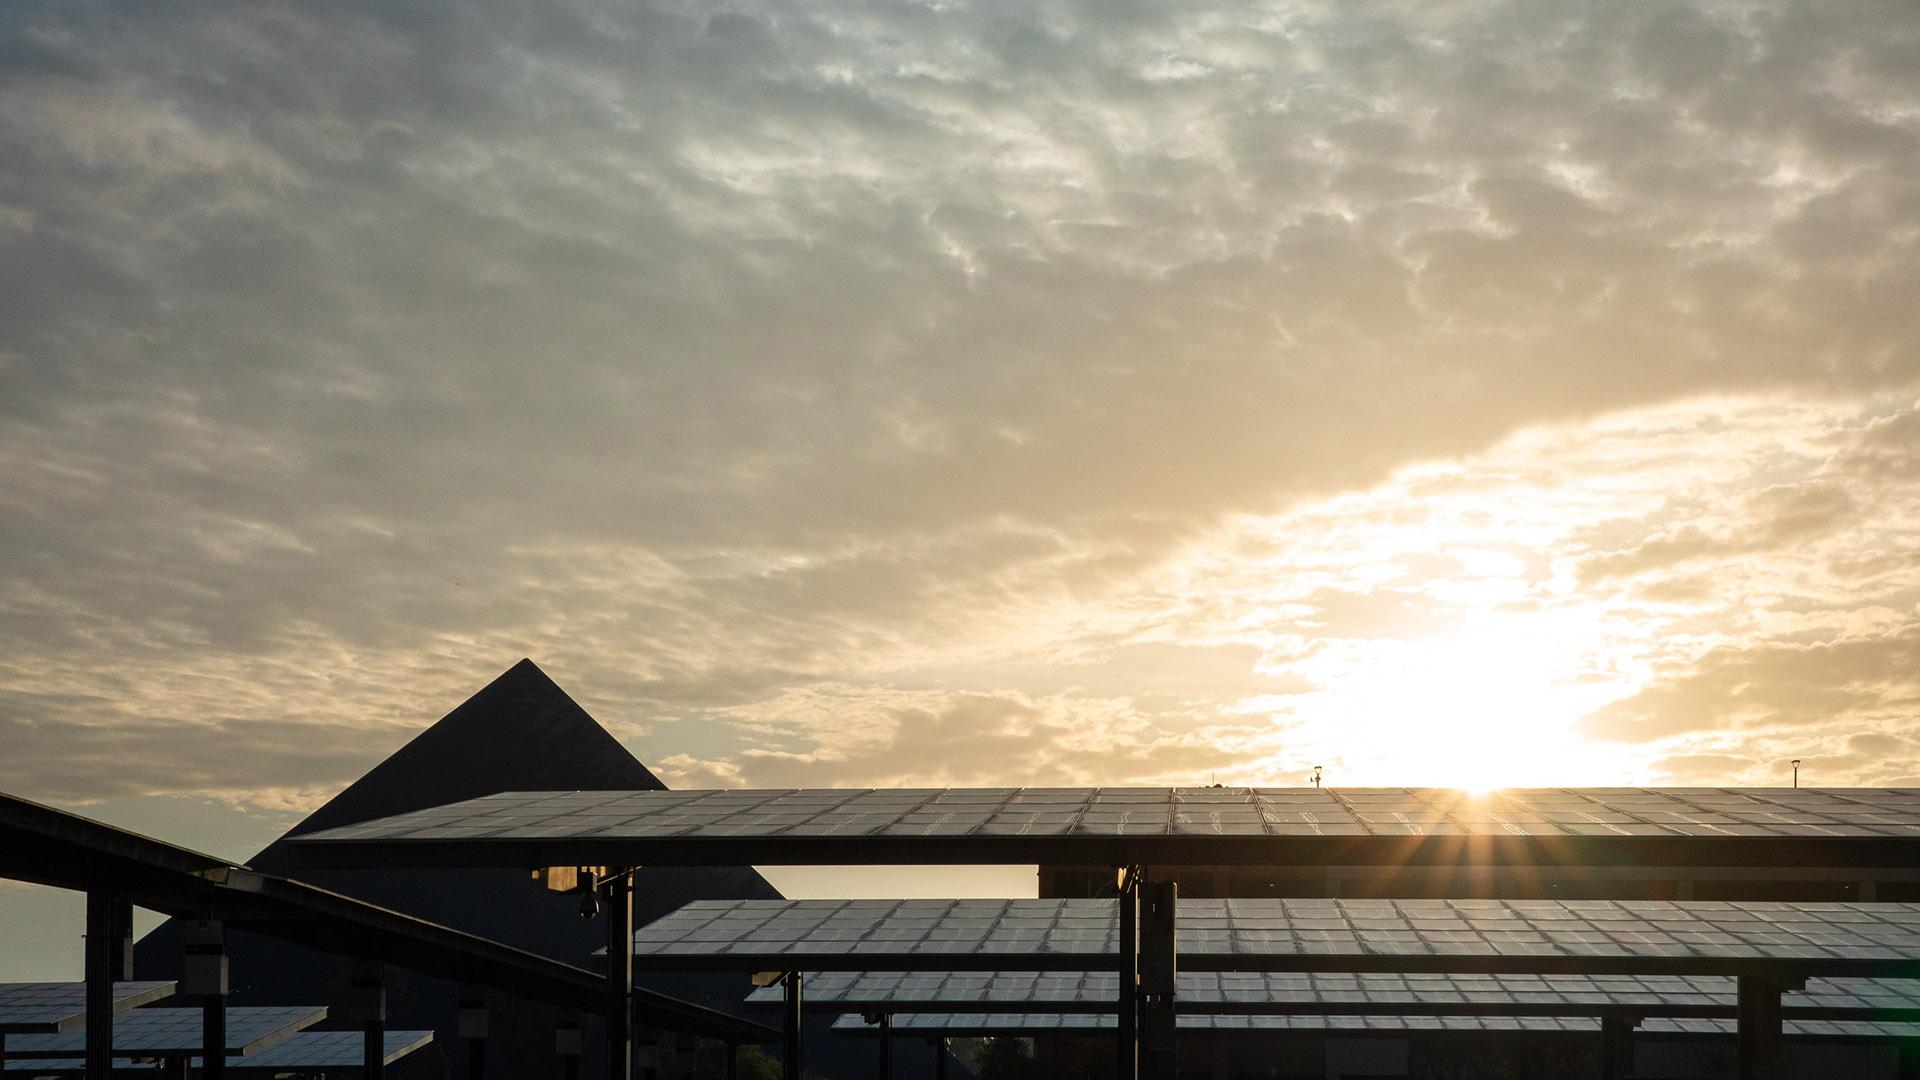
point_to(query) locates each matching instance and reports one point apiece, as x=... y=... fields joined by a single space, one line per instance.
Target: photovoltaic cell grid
x=330 y=1050
x=928 y=1025
x=60 y=1006
x=143 y=1032
x=305 y=1050
x=954 y=813
x=1593 y=936
x=1071 y=932
x=1198 y=991
x=924 y=1025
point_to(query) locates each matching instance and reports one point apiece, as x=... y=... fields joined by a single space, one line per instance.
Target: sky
x=868 y=393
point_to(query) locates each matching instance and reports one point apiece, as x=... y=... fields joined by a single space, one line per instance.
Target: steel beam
x=1127 y=1001
x=204 y=974
x=366 y=1003
x=790 y=1028
x=566 y=1045
x=1762 y=1050
x=213 y=1037
x=1616 y=1045
x=1158 y=971
x=473 y=1029
x=101 y=950
x=619 y=904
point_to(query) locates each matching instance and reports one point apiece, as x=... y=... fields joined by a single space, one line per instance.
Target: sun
x=1492 y=708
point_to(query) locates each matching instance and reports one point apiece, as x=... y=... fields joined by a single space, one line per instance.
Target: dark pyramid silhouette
x=521 y=730
x=520 y=733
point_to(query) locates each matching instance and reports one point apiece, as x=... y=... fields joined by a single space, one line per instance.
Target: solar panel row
x=174 y=1031
x=60 y=1006
x=1058 y=991
x=1599 y=936
x=985 y=812
x=305 y=1050
x=929 y=1025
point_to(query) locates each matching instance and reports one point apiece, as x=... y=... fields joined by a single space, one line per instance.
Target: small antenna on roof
x=1796 y=772
x=1316 y=776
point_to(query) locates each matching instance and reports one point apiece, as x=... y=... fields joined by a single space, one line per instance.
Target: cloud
x=895 y=738
x=713 y=357
x=1778 y=685
x=1775 y=518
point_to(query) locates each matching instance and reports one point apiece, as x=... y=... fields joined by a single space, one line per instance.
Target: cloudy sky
x=1456 y=392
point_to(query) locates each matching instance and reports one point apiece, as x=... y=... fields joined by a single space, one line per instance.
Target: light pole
x=1796 y=772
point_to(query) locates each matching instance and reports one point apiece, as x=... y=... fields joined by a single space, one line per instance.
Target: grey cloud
x=976 y=739
x=250 y=757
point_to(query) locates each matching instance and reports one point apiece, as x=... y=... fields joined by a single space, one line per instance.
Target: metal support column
x=1762 y=1050
x=1127 y=1002
x=790 y=1028
x=566 y=1045
x=619 y=904
x=204 y=973
x=1909 y=1059
x=646 y=1054
x=473 y=1029
x=213 y=1037
x=886 y=1047
x=367 y=1003
x=939 y=1059
x=1158 y=964
x=1616 y=1045
x=733 y=1061
x=105 y=955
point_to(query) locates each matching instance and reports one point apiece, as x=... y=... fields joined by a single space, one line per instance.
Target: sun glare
x=1482 y=710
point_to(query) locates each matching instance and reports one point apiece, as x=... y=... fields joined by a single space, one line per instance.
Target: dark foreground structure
x=1144 y=839
x=119 y=870
x=521 y=730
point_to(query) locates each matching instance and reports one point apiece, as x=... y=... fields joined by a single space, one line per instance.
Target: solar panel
x=162 y=1032
x=962 y=1025
x=1071 y=934
x=1494 y=936
x=1331 y=993
x=1178 y=825
x=62 y=1006
x=303 y=1051
x=330 y=1050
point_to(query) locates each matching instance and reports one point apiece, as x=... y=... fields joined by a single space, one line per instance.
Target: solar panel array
x=1075 y=933
x=928 y=1025
x=959 y=1024
x=58 y=1006
x=1332 y=991
x=330 y=1050
x=1590 y=936
x=143 y=1032
x=306 y=1050
x=957 y=813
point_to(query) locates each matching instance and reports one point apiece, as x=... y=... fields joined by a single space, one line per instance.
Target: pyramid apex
x=519 y=732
